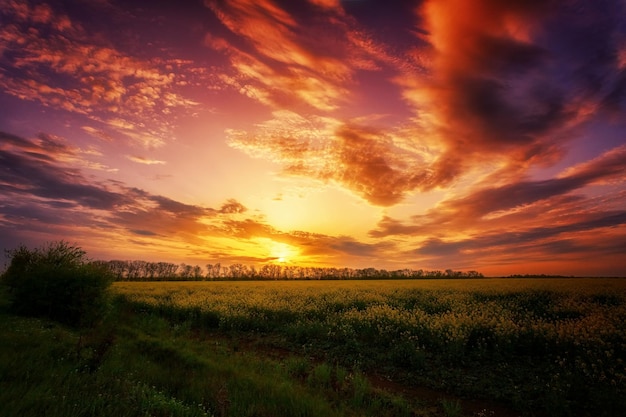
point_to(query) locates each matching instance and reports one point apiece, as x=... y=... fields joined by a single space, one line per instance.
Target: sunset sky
x=472 y=135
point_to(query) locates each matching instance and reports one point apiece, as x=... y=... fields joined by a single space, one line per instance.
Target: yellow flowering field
x=552 y=344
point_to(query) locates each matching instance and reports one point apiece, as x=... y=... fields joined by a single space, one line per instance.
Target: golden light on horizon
x=283 y=252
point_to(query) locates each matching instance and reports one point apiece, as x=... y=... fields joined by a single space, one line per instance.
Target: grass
x=142 y=364
x=451 y=408
x=313 y=349
x=544 y=345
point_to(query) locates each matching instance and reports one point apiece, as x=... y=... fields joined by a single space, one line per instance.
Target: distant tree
x=252 y=273
x=213 y=271
x=185 y=271
x=117 y=268
x=141 y=270
x=196 y=272
x=238 y=271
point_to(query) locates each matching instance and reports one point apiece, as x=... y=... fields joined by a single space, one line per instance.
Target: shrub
x=58 y=282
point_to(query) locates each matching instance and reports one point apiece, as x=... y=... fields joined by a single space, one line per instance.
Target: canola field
x=555 y=346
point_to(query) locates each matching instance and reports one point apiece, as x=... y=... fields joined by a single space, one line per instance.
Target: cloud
x=542 y=242
x=278 y=65
x=388 y=226
x=576 y=216
x=373 y=163
x=311 y=247
x=486 y=86
x=540 y=221
x=43 y=197
x=72 y=69
x=233 y=206
x=516 y=202
x=277 y=62
x=145 y=161
x=274 y=33
x=607 y=167
x=511 y=80
x=482 y=98
x=370 y=164
x=246 y=229
x=304 y=79
x=31 y=174
x=43 y=213
x=55 y=148
x=44 y=193
x=350 y=246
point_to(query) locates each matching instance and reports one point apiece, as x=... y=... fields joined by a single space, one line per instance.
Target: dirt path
x=470 y=407
x=474 y=408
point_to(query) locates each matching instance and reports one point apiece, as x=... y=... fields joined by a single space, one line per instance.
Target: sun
x=282 y=252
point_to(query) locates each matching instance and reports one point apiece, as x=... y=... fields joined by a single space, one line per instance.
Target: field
x=536 y=345
x=464 y=347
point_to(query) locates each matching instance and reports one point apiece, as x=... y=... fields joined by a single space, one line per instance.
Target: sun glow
x=282 y=252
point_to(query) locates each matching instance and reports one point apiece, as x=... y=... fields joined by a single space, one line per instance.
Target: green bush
x=58 y=282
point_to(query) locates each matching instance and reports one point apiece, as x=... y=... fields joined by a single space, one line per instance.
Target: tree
x=58 y=282
x=196 y=272
x=213 y=271
x=185 y=271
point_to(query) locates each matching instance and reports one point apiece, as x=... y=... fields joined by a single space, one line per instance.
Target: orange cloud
x=495 y=86
x=369 y=161
x=520 y=202
x=536 y=220
x=41 y=184
x=479 y=48
x=38 y=184
x=279 y=64
x=274 y=34
x=328 y=4
x=144 y=161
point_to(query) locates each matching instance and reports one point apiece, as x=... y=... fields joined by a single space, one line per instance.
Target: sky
x=439 y=134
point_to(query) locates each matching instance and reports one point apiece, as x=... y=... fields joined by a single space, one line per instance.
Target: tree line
x=166 y=271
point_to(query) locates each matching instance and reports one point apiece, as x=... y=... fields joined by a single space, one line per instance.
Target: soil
x=470 y=407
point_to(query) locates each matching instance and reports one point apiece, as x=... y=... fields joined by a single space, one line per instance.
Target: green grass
x=142 y=364
x=305 y=349
x=548 y=345
x=451 y=408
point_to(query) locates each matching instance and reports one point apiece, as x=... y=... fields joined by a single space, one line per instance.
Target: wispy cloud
x=576 y=213
x=43 y=192
x=278 y=63
x=44 y=196
x=145 y=161
x=372 y=162
x=49 y=147
x=99 y=81
x=524 y=199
